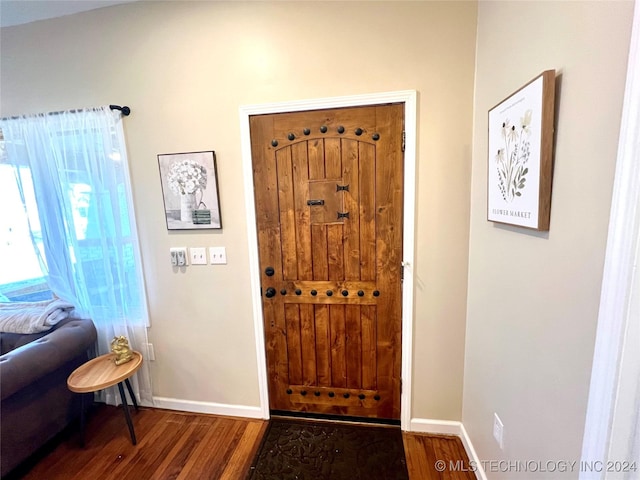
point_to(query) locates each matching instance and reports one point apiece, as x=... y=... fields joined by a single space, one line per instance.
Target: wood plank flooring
x=177 y=445
x=425 y=453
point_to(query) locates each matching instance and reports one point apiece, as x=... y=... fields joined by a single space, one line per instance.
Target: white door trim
x=409 y=98
x=612 y=384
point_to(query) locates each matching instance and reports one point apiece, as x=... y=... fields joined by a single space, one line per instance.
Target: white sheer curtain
x=78 y=164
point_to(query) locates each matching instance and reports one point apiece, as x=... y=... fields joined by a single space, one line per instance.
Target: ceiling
x=17 y=12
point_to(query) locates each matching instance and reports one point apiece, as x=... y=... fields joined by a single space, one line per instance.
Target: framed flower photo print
x=520 y=163
x=190 y=190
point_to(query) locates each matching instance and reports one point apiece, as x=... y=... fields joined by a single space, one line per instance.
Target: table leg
x=125 y=407
x=82 y=418
x=133 y=397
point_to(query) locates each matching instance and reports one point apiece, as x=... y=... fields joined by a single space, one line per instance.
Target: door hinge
x=403 y=266
x=404 y=139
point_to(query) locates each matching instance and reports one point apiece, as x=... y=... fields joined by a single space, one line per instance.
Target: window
x=21 y=277
x=97 y=214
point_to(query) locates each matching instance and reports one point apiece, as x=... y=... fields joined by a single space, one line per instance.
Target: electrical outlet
x=498 y=430
x=179 y=255
x=198 y=255
x=151 y=352
x=218 y=255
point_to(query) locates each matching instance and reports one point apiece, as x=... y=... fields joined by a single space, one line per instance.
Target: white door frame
x=409 y=98
x=612 y=407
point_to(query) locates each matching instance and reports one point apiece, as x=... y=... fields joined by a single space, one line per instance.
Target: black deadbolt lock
x=269 y=271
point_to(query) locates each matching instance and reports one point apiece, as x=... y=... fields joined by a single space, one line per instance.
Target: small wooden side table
x=100 y=373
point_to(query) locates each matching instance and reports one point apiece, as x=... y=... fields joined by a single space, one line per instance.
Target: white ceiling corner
x=18 y=12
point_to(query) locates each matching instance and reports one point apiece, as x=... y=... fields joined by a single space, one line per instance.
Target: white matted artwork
x=190 y=190
x=520 y=163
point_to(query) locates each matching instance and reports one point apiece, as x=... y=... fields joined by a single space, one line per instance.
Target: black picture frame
x=190 y=190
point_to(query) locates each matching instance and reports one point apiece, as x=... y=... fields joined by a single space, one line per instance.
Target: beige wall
x=185 y=68
x=533 y=297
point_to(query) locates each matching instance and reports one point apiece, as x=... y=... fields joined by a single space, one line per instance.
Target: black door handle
x=271 y=292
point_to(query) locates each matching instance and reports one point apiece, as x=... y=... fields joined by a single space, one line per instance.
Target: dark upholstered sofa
x=35 y=403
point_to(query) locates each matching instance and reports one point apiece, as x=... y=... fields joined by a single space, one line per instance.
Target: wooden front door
x=329 y=189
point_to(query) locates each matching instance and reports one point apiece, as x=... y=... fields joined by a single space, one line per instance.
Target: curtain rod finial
x=125 y=110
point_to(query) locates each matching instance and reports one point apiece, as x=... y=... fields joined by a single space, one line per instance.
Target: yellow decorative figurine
x=120 y=346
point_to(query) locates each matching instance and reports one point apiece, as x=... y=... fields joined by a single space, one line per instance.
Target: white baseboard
x=208 y=407
x=471 y=453
x=449 y=427
x=437 y=427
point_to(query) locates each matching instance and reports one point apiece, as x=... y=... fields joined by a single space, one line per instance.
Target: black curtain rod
x=124 y=110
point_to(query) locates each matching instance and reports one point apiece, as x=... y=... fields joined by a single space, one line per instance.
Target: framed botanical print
x=520 y=163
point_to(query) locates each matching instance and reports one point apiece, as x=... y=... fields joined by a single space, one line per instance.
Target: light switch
x=198 y=255
x=179 y=257
x=218 y=255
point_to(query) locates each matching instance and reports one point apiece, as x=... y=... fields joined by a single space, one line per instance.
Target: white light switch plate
x=218 y=255
x=198 y=255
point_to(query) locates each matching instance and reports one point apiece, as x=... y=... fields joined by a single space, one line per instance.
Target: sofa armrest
x=25 y=364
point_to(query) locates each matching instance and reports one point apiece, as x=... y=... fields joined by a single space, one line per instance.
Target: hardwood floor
x=177 y=445
x=425 y=454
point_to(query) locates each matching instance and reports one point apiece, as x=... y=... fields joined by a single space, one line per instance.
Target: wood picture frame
x=190 y=190
x=520 y=155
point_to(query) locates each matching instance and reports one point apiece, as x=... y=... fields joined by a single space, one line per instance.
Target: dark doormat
x=308 y=450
